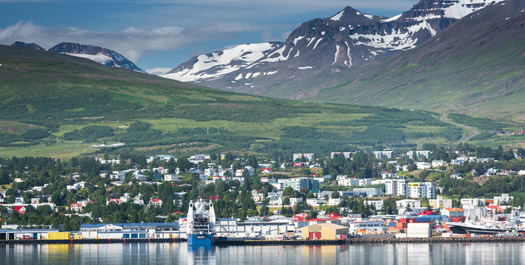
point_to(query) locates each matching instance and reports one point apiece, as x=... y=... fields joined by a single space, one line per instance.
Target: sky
x=158 y=35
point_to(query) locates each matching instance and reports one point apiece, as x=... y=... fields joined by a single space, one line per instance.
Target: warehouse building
x=325 y=231
x=21 y=234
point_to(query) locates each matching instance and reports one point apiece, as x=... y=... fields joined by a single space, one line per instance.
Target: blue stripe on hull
x=198 y=240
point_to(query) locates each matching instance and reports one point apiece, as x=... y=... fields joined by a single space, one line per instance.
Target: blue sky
x=166 y=33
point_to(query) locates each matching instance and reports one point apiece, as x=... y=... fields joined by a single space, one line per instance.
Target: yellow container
x=58 y=235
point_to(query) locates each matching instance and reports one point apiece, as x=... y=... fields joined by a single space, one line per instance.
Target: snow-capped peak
x=219 y=63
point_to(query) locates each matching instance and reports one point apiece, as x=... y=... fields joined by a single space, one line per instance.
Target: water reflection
x=201 y=255
x=178 y=253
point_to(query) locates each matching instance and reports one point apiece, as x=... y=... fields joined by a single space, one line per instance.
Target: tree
x=247 y=179
x=4 y=178
x=288 y=192
x=183 y=164
x=264 y=211
x=286 y=201
x=252 y=161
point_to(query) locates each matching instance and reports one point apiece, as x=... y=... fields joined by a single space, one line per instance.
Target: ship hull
x=200 y=240
x=462 y=228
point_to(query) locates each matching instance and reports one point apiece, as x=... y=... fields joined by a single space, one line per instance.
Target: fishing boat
x=201 y=224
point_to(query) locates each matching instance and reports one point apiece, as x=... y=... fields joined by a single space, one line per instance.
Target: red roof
x=177 y=212
x=20 y=209
x=156 y=200
x=334 y=215
x=427 y=212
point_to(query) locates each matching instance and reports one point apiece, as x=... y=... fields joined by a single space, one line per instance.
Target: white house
x=437 y=163
x=378 y=204
x=155 y=202
x=423 y=165
x=453 y=212
x=403 y=204
x=295 y=201
x=171 y=177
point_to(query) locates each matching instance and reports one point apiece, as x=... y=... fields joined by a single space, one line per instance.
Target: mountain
x=219 y=63
x=27 y=45
x=348 y=39
x=475 y=66
x=98 y=54
x=61 y=106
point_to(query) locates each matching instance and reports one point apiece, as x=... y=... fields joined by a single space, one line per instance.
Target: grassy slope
x=60 y=94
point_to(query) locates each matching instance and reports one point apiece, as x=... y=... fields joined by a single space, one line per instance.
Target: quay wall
x=349 y=241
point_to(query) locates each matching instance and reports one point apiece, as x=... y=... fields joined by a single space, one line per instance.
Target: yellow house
x=325 y=231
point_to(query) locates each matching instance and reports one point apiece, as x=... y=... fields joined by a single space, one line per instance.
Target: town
x=437 y=191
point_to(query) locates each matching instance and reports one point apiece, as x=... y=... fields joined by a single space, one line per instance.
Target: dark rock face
x=98 y=54
x=33 y=46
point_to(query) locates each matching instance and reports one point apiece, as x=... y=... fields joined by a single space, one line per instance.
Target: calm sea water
x=177 y=253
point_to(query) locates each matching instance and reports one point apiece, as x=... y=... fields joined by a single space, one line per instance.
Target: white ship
x=200 y=224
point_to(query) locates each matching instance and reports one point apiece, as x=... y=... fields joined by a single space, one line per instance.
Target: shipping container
x=58 y=235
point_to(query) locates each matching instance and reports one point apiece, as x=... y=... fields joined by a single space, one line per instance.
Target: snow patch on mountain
x=461 y=8
x=99 y=58
x=338 y=16
x=216 y=64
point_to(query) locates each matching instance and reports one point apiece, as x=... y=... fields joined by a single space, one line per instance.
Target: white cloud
x=268 y=36
x=131 y=42
x=158 y=71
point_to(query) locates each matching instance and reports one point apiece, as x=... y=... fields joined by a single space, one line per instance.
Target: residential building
x=421 y=190
x=418 y=154
x=171 y=177
x=503 y=199
x=155 y=202
x=423 y=165
x=407 y=203
x=437 y=163
x=305 y=156
x=348 y=182
x=295 y=201
x=314 y=202
x=199 y=158
x=471 y=203
x=395 y=187
x=383 y=154
x=370 y=192
x=299 y=183
x=453 y=212
x=378 y=204
x=440 y=203
x=346 y=155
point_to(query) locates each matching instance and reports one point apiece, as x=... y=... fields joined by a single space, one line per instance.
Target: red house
x=20 y=209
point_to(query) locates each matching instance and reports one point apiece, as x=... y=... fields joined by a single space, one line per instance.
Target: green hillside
x=57 y=105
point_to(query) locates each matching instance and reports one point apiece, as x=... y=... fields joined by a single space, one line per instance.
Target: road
x=474 y=131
